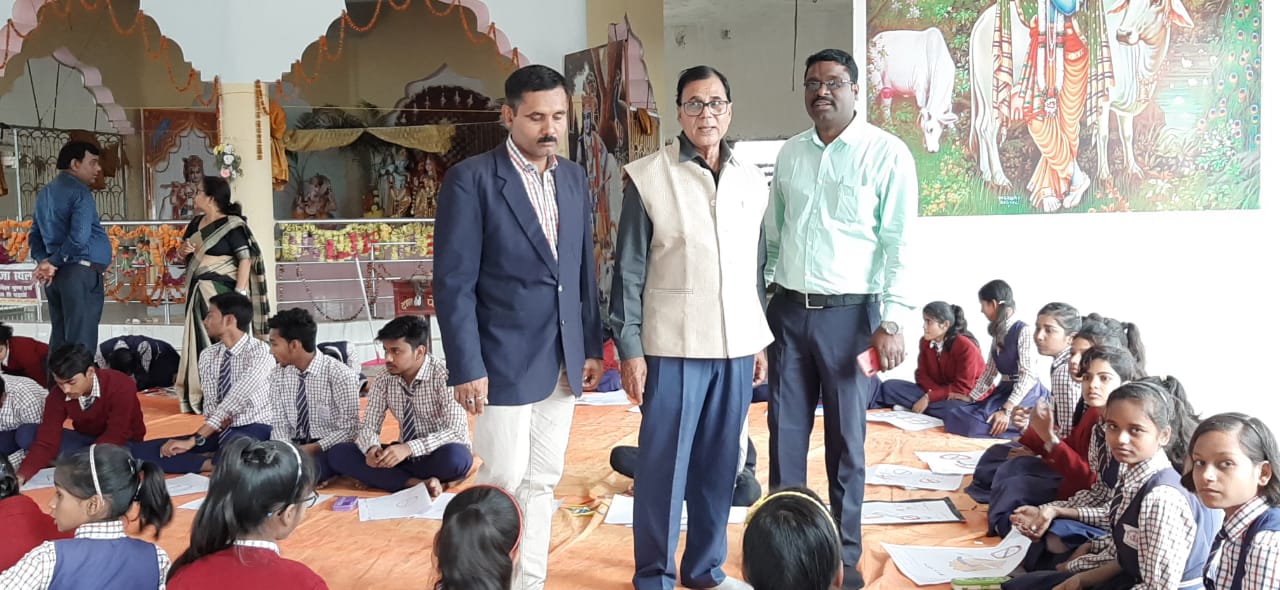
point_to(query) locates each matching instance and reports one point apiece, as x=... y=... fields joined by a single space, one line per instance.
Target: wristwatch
x=890 y=328
x=200 y=440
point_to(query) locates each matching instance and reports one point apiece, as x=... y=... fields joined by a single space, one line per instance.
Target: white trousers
x=522 y=449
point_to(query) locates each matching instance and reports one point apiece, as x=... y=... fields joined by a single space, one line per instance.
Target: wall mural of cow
x=1040 y=106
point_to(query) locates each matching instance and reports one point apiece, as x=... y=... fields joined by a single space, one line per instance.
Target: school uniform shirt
x=248 y=401
x=25 y=528
x=1070 y=457
x=438 y=418
x=1261 y=565
x=27 y=358
x=1166 y=528
x=1026 y=377
x=1065 y=393
x=943 y=372
x=247 y=564
x=23 y=402
x=110 y=413
x=333 y=402
x=35 y=570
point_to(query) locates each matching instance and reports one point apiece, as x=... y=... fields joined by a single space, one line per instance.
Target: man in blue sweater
x=71 y=248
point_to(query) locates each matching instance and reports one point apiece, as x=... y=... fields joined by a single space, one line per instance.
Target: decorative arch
x=327 y=63
x=128 y=48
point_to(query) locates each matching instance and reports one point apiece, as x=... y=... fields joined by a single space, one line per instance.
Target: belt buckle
x=808 y=305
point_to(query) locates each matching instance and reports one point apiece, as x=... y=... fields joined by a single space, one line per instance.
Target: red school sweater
x=246 y=567
x=115 y=419
x=954 y=371
x=1070 y=458
x=25 y=528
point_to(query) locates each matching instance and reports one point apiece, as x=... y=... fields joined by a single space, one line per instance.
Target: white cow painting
x=916 y=64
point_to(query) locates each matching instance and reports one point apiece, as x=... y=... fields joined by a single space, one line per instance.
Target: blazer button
x=561 y=322
x=559 y=288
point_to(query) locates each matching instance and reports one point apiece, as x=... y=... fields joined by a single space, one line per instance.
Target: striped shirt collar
x=257 y=544
x=1063 y=357
x=94 y=393
x=424 y=372
x=103 y=531
x=1239 y=522
x=523 y=164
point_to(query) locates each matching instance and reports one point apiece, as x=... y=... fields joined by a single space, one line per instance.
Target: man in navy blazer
x=516 y=297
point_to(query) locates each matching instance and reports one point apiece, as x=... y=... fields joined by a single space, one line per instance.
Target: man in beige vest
x=687 y=312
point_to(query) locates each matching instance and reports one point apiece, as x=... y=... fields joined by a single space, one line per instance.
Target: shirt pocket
x=856 y=203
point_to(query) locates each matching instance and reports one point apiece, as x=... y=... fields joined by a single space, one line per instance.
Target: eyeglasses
x=694 y=108
x=832 y=85
x=310 y=501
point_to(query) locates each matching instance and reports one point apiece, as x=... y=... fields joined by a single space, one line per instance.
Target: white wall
x=768 y=100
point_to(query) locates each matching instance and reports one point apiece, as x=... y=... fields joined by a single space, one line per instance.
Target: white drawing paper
x=438 y=506
x=634 y=409
x=622 y=512
x=912 y=478
x=908 y=421
x=191 y=483
x=41 y=480
x=951 y=462
x=407 y=503
x=941 y=565
x=910 y=512
x=604 y=398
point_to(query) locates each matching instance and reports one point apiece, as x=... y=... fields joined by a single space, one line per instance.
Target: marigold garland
x=310 y=241
x=142 y=256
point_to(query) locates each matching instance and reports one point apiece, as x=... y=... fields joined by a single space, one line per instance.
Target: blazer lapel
x=512 y=188
x=567 y=201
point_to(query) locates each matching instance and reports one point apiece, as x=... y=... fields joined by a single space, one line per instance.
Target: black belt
x=819 y=301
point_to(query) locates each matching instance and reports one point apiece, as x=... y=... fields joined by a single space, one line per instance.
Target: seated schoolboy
x=21 y=407
x=102 y=405
x=234 y=373
x=317 y=396
x=150 y=361
x=23 y=356
x=435 y=445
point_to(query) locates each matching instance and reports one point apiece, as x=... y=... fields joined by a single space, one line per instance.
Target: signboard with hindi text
x=18 y=284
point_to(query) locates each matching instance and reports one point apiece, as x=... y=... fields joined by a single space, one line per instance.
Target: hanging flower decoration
x=377 y=241
x=14 y=247
x=228 y=161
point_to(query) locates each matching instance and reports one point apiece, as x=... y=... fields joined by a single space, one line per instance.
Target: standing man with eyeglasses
x=844 y=194
x=688 y=311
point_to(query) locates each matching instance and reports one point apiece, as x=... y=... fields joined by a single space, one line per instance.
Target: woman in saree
x=222 y=256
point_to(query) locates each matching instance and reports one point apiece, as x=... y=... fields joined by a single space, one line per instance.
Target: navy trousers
x=894 y=392
x=690 y=428
x=22 y=437
x=75 y=306
x=450 y=462
x=814 y=358
x=193 y=461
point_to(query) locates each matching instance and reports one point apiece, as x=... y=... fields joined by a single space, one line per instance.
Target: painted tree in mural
x=1022 y=106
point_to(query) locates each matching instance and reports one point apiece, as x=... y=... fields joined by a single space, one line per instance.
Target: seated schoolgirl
x=792 y=543
x=25 y=525
x=1056 y=326
x=478 y=541
x=258 y=495
x=1159 y=533
x=94 y=488
x=1046 y=467
x=984 y=412
x=1233 y=461
x=950 y=362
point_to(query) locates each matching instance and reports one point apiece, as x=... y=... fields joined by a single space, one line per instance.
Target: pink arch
x=24 y=21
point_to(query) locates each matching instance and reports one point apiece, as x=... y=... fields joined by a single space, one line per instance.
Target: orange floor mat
x=585 y=554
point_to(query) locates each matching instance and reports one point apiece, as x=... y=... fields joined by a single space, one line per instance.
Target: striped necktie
x=304 y=410
x=408 y=426
x=224 y=377
x=1211 y=565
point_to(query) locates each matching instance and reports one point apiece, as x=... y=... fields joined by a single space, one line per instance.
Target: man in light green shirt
x=844 y=194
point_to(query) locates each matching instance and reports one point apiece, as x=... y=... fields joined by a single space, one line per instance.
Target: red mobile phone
x=869 y=360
